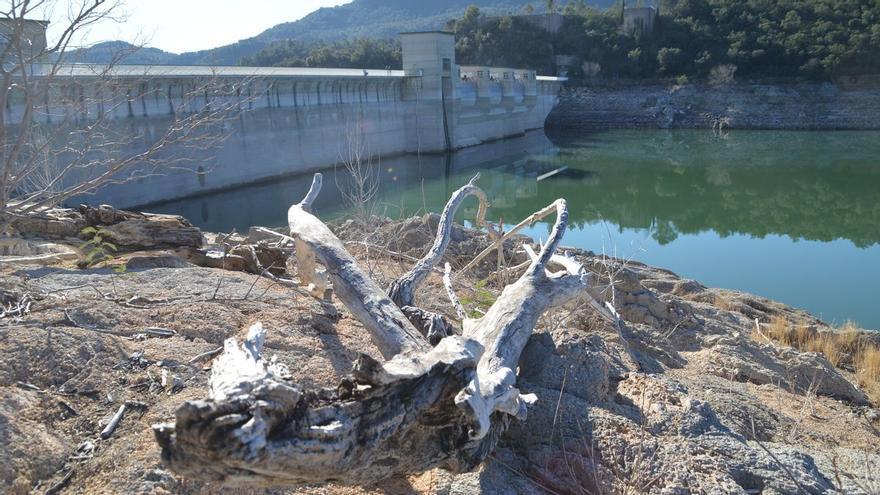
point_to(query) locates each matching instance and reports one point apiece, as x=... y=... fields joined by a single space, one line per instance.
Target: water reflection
x=800 y=201
x=804 y=185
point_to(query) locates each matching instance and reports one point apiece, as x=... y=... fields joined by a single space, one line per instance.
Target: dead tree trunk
x=425 y=407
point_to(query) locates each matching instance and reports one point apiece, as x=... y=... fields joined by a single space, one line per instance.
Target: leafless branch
x=60 y=136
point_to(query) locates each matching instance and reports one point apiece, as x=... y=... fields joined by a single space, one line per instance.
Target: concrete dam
x=298 y=120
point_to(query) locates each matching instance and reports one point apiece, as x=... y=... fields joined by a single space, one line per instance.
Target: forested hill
x=107 y=51
x=378 y=19
x=690 y=40
x=387 y=18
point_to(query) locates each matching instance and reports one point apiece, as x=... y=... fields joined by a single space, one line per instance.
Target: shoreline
x=750 y=106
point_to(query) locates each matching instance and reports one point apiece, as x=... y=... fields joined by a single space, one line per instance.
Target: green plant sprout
x=98 y=250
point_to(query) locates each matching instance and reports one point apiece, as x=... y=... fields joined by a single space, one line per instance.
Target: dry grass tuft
x=723 y=302
x=868 y=364
x=800 y=337
x=826 y=344
x=849 y=338
x=846 y=347
x=832 y=350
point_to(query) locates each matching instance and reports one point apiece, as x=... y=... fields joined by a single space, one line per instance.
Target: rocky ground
x=680 y=398
x=731 y=106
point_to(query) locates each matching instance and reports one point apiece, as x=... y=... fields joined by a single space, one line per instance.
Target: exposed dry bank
x=684 y=395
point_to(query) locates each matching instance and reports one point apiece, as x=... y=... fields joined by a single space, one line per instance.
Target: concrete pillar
x=431 y=57
x=432 y=53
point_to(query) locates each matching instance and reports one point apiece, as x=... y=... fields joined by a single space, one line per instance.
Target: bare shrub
x=362 y=175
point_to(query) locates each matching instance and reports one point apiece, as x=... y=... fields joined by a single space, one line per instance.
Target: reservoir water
x=792 y=216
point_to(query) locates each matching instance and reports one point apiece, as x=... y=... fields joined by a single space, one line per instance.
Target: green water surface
x=793 y=216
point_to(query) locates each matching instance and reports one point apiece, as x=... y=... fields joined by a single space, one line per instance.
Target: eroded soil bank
x=682 y=397
x=811 y=106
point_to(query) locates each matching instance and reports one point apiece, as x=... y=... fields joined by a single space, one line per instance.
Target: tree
x=575 y=7
x=551 y=6
x=670 y=60
x=59 y=136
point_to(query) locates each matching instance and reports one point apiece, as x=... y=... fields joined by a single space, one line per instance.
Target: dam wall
x=291 y=120
x=399 y=179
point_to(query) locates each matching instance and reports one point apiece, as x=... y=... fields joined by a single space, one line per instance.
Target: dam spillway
x=298 y=120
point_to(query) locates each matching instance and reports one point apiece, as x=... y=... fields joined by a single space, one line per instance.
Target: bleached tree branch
x=425 y=407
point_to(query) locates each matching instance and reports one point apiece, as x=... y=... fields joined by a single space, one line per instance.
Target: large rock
x=34 y=251
x=128 y=230
x=135 y=231
x=801 y=372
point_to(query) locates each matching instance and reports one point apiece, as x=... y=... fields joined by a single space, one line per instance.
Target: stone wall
x=743 y=106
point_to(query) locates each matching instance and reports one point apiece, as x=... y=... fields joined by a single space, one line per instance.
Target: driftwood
x=425 y=407
x=530 y=220
x=206 y=355
x=251 y=258
x=108 y=430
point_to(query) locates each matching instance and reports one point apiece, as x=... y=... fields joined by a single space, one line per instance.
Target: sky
x=188 y=25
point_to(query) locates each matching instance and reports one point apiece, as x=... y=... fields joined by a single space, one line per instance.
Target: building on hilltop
x=639 y=20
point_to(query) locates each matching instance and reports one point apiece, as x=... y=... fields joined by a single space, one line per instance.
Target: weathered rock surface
x=129 y=231
x=743 y=106
x=34 y=251
x=678 y=399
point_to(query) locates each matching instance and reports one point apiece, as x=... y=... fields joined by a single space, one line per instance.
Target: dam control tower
x=430 y=55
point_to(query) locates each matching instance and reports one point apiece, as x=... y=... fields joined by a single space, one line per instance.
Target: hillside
x=360 y=18
x=107 y=51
